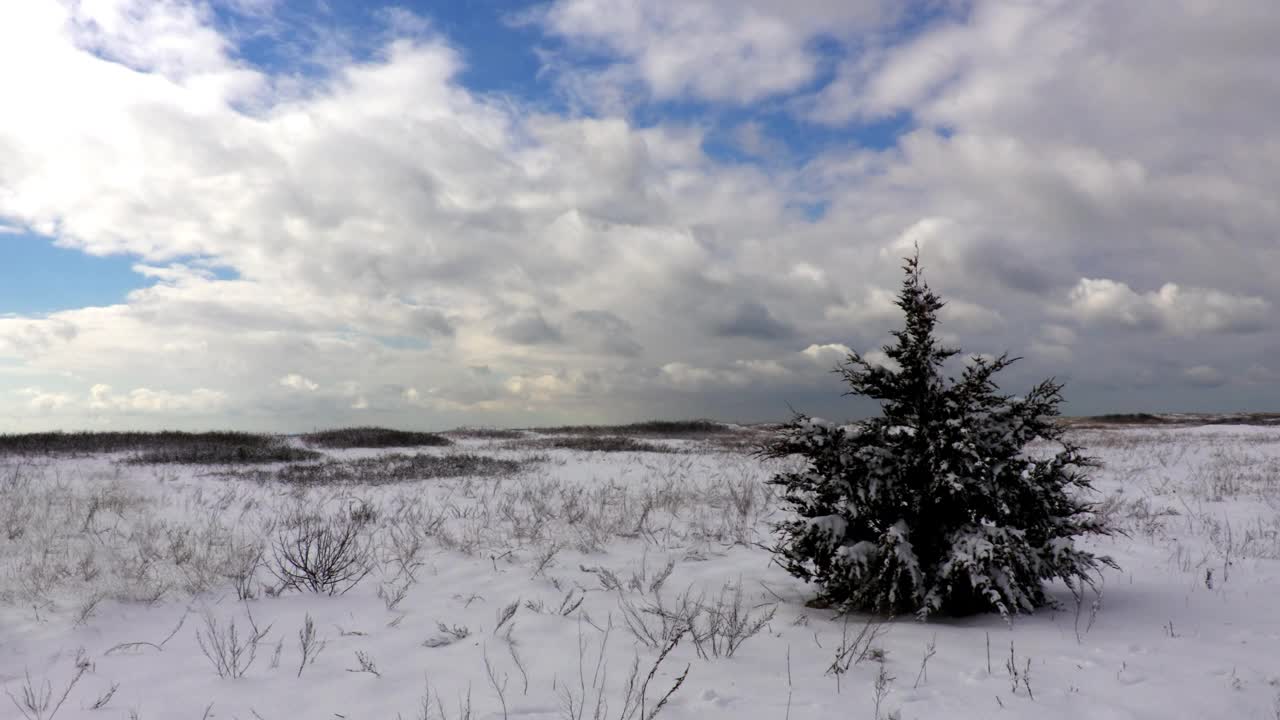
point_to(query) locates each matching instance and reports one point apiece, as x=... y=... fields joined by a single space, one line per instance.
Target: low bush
x=651 y=428
x=393 y=468
x=199 y=453
x=107 y=442
x=599 y=443
x=484 y=433
x=1129 y=419
x=373 y=437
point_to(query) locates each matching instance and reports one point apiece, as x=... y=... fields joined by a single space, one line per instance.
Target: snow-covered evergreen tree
x=936 y=507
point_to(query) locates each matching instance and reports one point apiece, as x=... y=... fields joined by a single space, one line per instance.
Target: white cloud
x=146 y=400
x=295 y=381
x=1170 y=309
x=827 y=355
x=762 y=368
x=689 y=377
x=921 y=234
x=42 y=401
x=738 y=52
x=539 y=388
x=875 y=311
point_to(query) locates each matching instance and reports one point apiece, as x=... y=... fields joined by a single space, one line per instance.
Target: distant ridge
x=1176 y=419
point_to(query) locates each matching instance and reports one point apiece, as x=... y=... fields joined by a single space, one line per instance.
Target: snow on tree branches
x=936 y=506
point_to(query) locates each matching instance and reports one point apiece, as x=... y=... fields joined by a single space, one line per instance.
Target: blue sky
x=39 y=277
x=269 y=212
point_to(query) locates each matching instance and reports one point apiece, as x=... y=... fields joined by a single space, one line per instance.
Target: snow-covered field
x=562 y=590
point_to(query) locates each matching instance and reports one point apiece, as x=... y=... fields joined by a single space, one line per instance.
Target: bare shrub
x=231 y=654
x=654 y=622
x=325 y=555
x=1020 y=676
x=448 y=635
x=404 y=540
x=638 y=580
x=500 y=688
x=392 y=594
x=365 y=664
x=36 y=701
x=105 y=698
x=241 y=568
x=431 y=706
x=857 y=647
x=592 y=700
x=722 y=626
x=310 y=645
x=505 y=615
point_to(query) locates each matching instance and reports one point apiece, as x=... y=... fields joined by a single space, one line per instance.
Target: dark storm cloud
x=753 y=320
x=529 y=328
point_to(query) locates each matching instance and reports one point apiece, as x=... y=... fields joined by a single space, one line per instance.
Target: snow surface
x=101 y=561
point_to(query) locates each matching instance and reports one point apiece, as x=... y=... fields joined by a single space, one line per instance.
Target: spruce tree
x=936 y=506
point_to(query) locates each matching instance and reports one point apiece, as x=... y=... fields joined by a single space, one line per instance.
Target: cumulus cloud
x=29 y=337
x=689 y=377
x=827 y=355
x=146 y=400
x=1170 y=309
x=763 y=368
x=876 y=307
x=41 y=401
x=295 y=381
x=711 y=49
